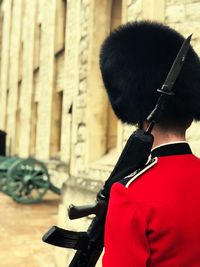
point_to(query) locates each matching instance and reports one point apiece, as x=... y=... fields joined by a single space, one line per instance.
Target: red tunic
x=154 y=220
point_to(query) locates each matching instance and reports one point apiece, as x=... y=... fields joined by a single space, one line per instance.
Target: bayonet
x=166 y=89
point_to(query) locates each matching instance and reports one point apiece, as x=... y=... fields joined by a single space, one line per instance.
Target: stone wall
x=1 y=33
x=5 y=41
x=184 y=16
x=52 y=46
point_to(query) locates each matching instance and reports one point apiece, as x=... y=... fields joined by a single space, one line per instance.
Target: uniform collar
x=170 y=149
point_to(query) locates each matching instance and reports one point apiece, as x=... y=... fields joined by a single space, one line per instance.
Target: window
x=102 y=123
x=34 y=113
x=17 y=120
x=57 y=102
x=61 y=9
x=112 y=123
x=37 y=45
x=6 y=111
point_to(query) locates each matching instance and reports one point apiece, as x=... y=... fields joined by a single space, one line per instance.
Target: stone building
x=52 y=102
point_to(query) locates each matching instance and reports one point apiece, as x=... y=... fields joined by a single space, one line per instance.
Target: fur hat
x=135 y=60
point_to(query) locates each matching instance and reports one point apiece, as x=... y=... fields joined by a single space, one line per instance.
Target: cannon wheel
x=3 y=176
x=5 y=162
x=3 y=182
x=28 y=181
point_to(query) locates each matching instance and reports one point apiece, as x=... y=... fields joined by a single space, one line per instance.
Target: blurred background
x=53 y=108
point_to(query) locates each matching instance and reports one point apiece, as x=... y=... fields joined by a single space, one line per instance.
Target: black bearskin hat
x=135 y=60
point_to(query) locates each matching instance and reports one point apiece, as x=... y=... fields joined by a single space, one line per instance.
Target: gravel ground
x=21 y=230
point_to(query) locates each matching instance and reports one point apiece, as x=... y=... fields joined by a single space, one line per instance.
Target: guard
x=153 y=216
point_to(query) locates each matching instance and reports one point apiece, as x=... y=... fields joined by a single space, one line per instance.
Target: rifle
x=89 y=245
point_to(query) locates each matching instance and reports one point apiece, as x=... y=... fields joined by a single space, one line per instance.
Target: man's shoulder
x=162 y=170
x=128 y=180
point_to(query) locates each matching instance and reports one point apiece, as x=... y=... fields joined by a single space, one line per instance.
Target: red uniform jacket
x=153 y=216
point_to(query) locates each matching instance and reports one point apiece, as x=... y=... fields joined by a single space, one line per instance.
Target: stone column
x=5 y=51
x=46 y=79
x=14 y=94
x=27 y=77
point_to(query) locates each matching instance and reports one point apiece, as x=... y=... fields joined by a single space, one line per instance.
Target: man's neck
x=160 y=140
x=163 y=137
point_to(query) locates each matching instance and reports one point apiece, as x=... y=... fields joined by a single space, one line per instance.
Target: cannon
x=25 y=180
